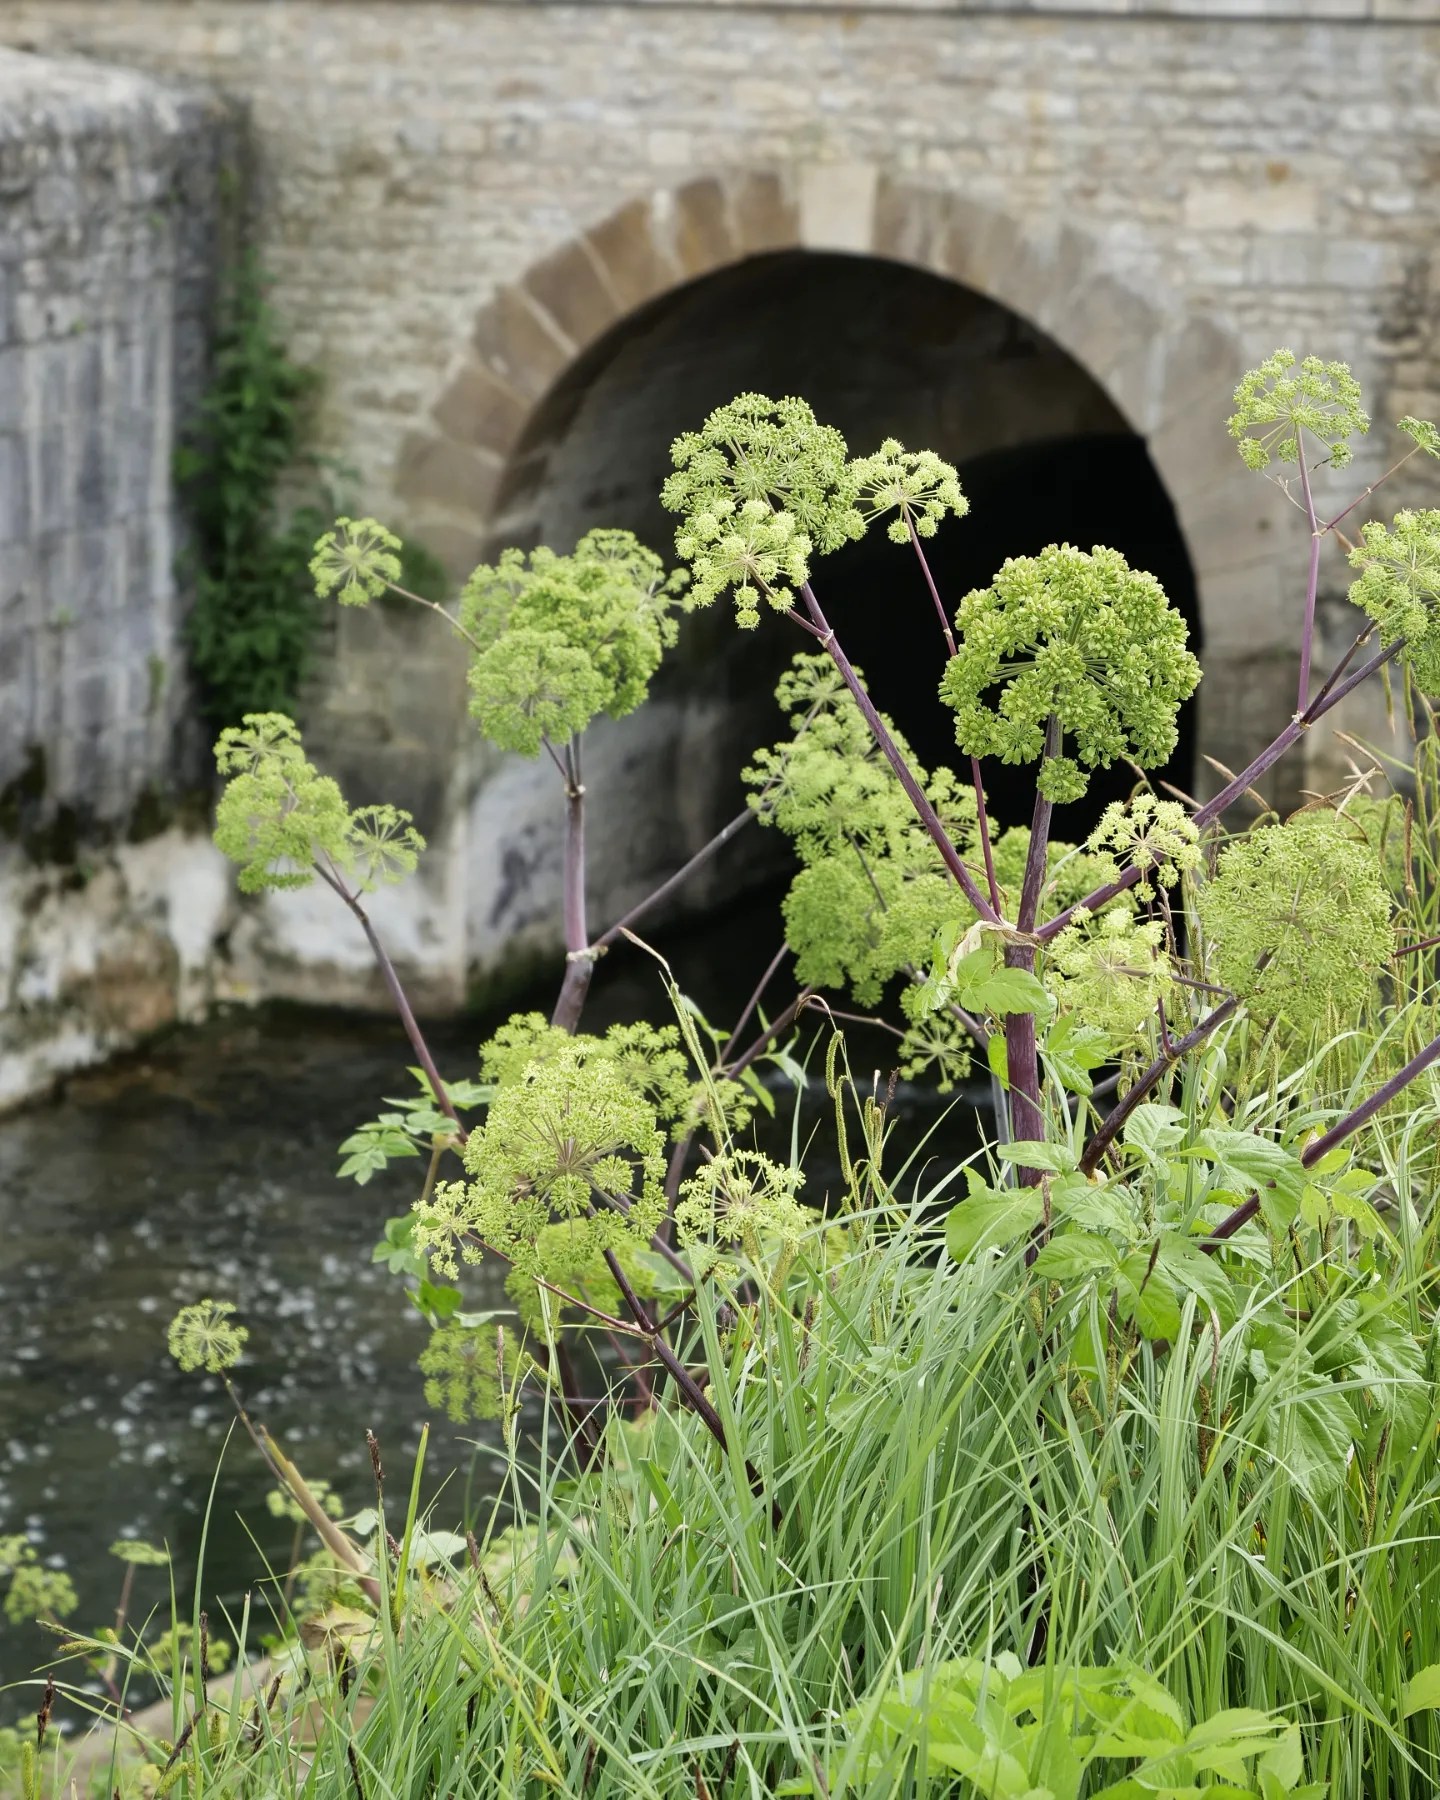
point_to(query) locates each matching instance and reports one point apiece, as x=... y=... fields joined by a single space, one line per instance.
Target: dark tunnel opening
x=878 y=349
x=1083 y=490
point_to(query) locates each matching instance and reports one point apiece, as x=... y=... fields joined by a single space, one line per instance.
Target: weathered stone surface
x=479 y=410
x=108 y=204
x=462 y=235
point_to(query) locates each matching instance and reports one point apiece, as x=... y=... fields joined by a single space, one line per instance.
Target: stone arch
x=1167 y=370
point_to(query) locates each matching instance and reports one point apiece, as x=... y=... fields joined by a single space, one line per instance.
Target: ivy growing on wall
x=253 y=622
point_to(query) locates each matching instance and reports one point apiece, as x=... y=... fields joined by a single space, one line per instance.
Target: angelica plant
x=1141 y=949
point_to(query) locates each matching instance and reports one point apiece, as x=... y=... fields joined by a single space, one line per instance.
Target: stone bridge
x=526 y=243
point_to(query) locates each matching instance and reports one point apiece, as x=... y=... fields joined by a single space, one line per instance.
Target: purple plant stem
x=926 y=813
x=980 y=814
x=1337 y=1134
x=1379 y=481
x=671 y=882
x=939 y=604
x=402 y=1005
x=1145 y=1081
x=1027 y=1120
x=1231 y=792
x=1312 y=582
x=579 y=957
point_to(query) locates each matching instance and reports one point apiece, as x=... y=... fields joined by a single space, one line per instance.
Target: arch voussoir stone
x=492 y=428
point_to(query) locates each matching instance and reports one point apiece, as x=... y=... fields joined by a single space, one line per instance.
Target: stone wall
x=108 y=185
x=108 y=217
x=467 y=206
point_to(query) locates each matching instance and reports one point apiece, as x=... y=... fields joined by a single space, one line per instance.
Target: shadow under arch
x=515 y=449
x=881 y=349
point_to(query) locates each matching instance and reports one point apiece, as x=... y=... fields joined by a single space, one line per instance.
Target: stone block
x=477 y=408
x=569 y=286
x=837 y=205
x=1251 y=204
x=455 y=547
x=637 y=267
x=446 y=475
x=525 y=351
x=909 y=223
x=14 y=488
x=701 y=230
x=764 y=213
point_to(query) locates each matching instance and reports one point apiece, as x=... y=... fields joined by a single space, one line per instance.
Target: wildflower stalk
x=982 y=819
x=1145 y=1081
x=331 y=878
x=579 y=956
x=1022 y=1059
x=1337 y=1134
x=1212 y=809
x=819 y=627
x=1312 y=582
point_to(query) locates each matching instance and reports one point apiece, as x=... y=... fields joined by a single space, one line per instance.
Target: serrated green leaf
x=1153 y=1129
x=1035 y=1153
x=977 y=1223
x=1074 y=1256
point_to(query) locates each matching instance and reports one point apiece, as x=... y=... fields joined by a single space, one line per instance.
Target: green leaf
x=1248 y=1162
x=1033 y=1153
x=397 y=1248
x=435 y=1302
x=1310 y=1435
x=1073 y=1050
x=1151 y=1298
x=1422 y=1691
x=1189 y=1268
x=1153 y=1129
x=1006 y=991
x=975 y=1223
x=1110 y=1207
x=1074 y=1256
x=998 y=1058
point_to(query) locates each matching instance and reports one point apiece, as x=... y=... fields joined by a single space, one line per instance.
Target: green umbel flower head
x=742 y=1199
x=1151 y=834
x=467 y=1373
x=760 y=487
x=569 y=1139
x=1277 y=401
x=565 y=638
x=751 y=548
x=1112 y=971
x=278 y=818
x=1083 y=638
x=203 y=1337
x=1299 y=920
x=356 y=561
x=915 y=484
x=1399 y=587
x=1425 y=435
x=35 y=1592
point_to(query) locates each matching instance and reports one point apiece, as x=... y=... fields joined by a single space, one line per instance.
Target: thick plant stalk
x=402 y=1004
x=1231 y=792
x=982 y=820
x=1145 y=1081
x=691 y=1392
x=1312 y=583
x=579 y=956
x=819 y=627
x=1337 y=1134
x=1022 y=1060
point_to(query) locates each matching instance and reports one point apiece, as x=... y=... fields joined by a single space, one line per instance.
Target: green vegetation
x=1102 y=1466
x=252 y=627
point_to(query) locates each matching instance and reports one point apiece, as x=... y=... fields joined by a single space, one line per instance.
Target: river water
x=206 y=1166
